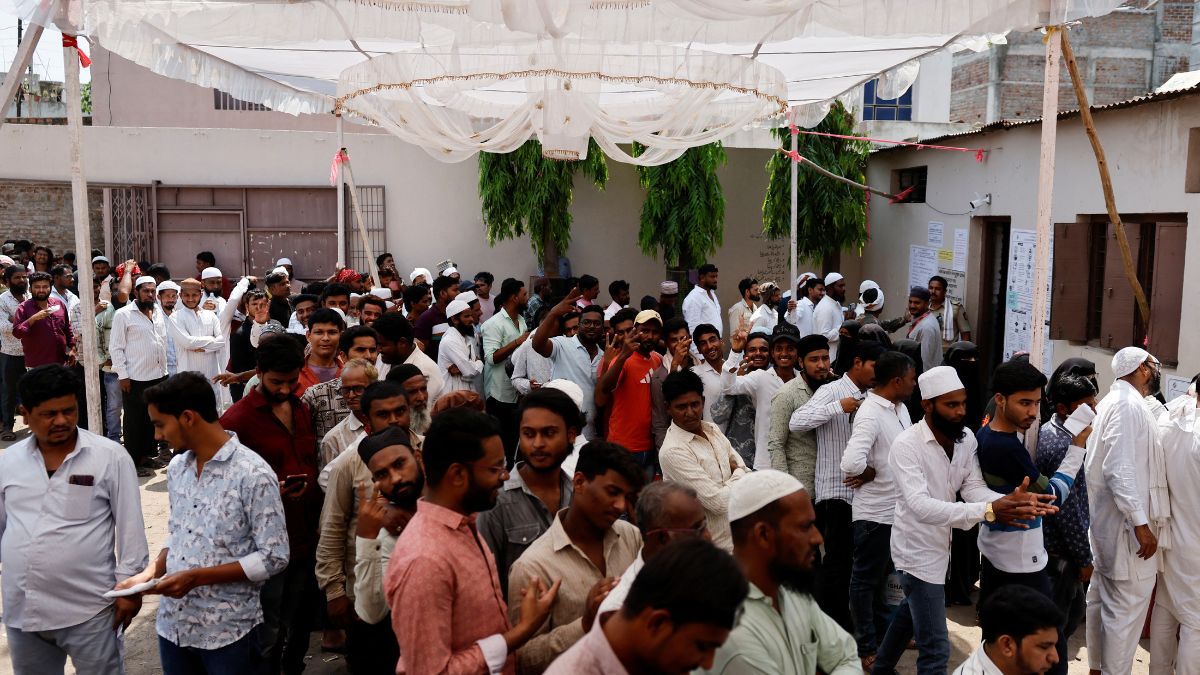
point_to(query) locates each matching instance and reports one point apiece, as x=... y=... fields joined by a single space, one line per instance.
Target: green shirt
x=498 y=331
x=104 y=322
x=793 y=452
x=798 y=639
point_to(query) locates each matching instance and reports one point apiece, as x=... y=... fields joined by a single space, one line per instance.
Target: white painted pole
x=341 y=199
x=17 y=72
x=86 y=353
x=1045 y=198
x=791 y=281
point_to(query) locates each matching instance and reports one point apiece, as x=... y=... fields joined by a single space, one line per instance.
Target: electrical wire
x=944 y=213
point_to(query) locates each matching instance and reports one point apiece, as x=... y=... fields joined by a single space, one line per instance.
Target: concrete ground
x=141 y=642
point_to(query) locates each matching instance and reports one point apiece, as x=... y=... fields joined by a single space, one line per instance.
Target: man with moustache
x=447 y=610
x=574 y=358
x=357 y=375
x=712 y=362
x=736 y=415
x=795 y=452
x=416 y=388
x=933 y=461
x=625 y=382
x=138 y=348
x=828 y=314
x=548 y=423
x=12 y=352
x=782 y=630
x=503 y=333
x=397 y=345
x=322 y=363
x=458 y=354
x=168 y=298
x=42 y=326
x=761 y=386
x=587 y=547
x=324 y=400
x=197 y=335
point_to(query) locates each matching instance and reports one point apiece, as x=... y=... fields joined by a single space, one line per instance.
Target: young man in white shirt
x=762 y=385
x=196 y=332
x=1020 y=628
x=828 y=314
x=701 y=304
x=811 y=290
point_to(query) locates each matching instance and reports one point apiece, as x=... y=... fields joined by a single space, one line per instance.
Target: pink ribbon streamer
x=339 y=158
x=979 y=152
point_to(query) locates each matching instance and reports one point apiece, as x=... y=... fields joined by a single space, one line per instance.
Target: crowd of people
x=450 y=475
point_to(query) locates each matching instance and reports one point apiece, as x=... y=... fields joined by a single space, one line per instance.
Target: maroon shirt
x=46 y=341
x=289 y=453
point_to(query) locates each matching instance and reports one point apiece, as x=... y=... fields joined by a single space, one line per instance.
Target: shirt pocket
x=521 y=536
x=77 y=501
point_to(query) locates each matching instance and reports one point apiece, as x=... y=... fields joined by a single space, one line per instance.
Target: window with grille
x=371 y=202
x=914 y=177
x=223 y=101
x=886 y=109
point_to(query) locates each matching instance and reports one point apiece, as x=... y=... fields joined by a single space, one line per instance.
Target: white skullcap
x=167 y=285
x=340 y=313
x=277 y=270
x=147 y=279
x=419 y=272
x=449 y=271
x=867 y=283
x=467 y=297
x=937 y=381
x=100 y=258
x=803 y=278
x=668 y=288
x=832 y=278
x=569 y=388
x=210 y=273
x=758 y=489
x=6 y=261
x=456 y=307
x=283 y=261
x=1128 y=359
x=382 y=292
x=872 y=306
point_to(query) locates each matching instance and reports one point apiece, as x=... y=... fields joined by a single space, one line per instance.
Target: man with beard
x=1127 y=485
x=370 y=308
x=12 y=352
x=931 y=462
x=168 y=298
x=811 y=291
x=138 y=348
x=924 y=328
x=735 y=415
x=665 y=626
x=587 y=546
x=211 y=572
x=416 y=388
x=549 y=422
x=42 y=326
x=271 y=421
x=197 y=335
x=795 y=452
x=447 y=609
x=828 y=315
x=701 y=304
x=696 y=454
x=62 y=278
x=741 y=313
x=575 y=358
x=766 y=317
x=829 y=412
x=762 y=385
x=303 y=306
x=782 y=630
x=867 y=470
x=432 y=324
x=458 y=355
x=626 y=382
x=396 y=474
x=397 y=346
x=1020 y=627
x=503 y=333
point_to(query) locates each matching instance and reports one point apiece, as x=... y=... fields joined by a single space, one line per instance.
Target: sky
x=47 y=59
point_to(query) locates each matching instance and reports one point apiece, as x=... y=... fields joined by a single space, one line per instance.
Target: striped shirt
x=823 y=412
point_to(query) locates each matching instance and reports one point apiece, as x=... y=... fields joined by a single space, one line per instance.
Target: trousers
x=1116 y=611
x=139 y=432
x=93 y=646
x=922 y=615
x=1174 y=646
x=833 y=576
x=13 y=369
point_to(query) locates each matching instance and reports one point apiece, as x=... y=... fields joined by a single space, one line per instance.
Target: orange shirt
x=309 y=377
x=629 y=407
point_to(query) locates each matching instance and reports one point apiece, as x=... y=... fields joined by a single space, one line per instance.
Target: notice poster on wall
x=1018 y=317
x=922 y=264
x=937 y=234
x=961 y=246
x=1174 y=387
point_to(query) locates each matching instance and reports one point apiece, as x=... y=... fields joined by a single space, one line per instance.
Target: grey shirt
x=517 y=519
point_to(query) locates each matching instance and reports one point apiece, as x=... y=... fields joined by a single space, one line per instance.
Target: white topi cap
x=937 y=381
x=449 y=271
x=467 y=297
x=167 y=285
x=210 y=273
x=758 y=489
x=456 y=307
x=1128 y=360
x=283 y=261
x=832 y=278
x=572 y=390
x=147 y=279
x=382 y=292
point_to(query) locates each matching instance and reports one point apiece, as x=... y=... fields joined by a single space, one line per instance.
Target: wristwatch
x=989 y=514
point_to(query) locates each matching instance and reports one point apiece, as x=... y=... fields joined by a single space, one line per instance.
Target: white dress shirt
x=764 y=319
x=459 y=350
x=760 y=386
x=1180 y=574
x=827 y=321
x=138 y=345
x=1117 y=467
x=978 y=664
x=703 y=464
x=371 y=558
x=67 y=539
x=74 y=309
x=9 y=345
x=926 y=506
x=824 y=413
x=876 y=425
x=701 y=306
x=435 y=385
x=615 y=599
x=193 y=330
x=339 y=438
x=711 y=377
x=529 y=367
x=612 y=309
x=802 y=316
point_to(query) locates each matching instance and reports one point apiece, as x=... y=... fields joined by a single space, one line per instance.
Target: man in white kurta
x=197 y=334
x=1127 y=495
x=828 y=315
x=458 y=356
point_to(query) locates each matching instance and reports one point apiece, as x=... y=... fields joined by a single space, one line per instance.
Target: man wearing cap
x=458 y=355
x=297 y=286
x=168 y=298
x=933 y=461
x=701 y=304
x=828 y=315
x=743 y=311
x=668 y=295
x=924 y=329
x=1130 y=511
x=809 y=290
x=795 y=452
x=197 y=335
x=100 y=267
x=213 y=285
x=206 y=260
x=782 y=631
x=502 y=334
x=762 y=385
x=870 y=302
x=138 y=347
x=419 y=275
x=766 y=316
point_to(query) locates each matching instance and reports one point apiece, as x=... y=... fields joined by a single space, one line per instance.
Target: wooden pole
x=341 y=199
x=1045 y=199
x=795 y=170
x=1110 y=200
x=17 y=72
x=87 y=352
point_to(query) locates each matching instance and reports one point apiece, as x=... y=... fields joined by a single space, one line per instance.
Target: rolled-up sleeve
x=913 y=484
x=264 y=512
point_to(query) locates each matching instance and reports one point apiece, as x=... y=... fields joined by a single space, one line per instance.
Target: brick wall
x=42 y=213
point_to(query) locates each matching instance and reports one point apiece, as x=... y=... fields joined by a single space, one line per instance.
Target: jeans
x=648 y=460
x=139 y=432
x=13 y=369
x=922 y=614
x=833 y=576
x=93 y=646
x=111 y=389
x=288 y=613
x=506 y=414
x=868 y=583
x=992 y=580
x=239 y=658
x=1069 y=592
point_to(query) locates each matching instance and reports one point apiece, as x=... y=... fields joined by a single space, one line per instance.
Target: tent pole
x=16 y=73
x=85 y=353
x=341 y=199
x=794 y=169
x=1045 y=197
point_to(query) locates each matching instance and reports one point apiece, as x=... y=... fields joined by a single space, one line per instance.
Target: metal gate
x=130 y=213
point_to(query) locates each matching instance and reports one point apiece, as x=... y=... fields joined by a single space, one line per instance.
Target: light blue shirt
x=572 y=362
x=231 y=512
x=497 y=332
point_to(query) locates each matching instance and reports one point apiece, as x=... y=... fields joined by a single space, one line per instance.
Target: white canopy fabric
x=460 y=76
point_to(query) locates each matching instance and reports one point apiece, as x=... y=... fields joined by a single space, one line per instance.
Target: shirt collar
x=451 y=520
x=80 y=444
x=559 y=539
x=223 y=453
x=985 y=662
x=687 y=436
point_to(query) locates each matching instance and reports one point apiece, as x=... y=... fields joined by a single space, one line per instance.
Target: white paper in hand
x=1080 y=420
x=132 y=590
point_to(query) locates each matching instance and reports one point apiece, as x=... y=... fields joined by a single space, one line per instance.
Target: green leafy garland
x=831 y=216
x=683 y=215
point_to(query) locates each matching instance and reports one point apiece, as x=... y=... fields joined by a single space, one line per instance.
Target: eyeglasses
x=346 y=391
x=591 y=323
x=671 y=532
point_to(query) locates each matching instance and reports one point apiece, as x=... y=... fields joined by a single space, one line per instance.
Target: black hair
x=377 y=391
x=402 y=373
x=544 y=311
x=745 y=285
x=919 y=292
x=673 y=324
x=617 y=286
x=334 y=290
x=69 y=257
x=670 y=581
x=1018 y=612
x=587 y=282
x=59 y=270
x=1013 y=376
x=275 y=278
x=681 y=382
x=326 y=315
x=867 y=351
x=369 y=299
x=415 y=293
x=185 y=391
x=45 y=382
x=315 y=288
x=508 y=288
x=487 y=278
x=593 y=309
x=599 y=457
x=346 y=341
x=442 y=284
x=890 y=365
x=706 y=268
x=393 y=327
x=158 y=270
x=626 y=314
x=702 y=330
x=279 y=356
x=11 y=271
x=381 y=257
x=940 y=279
x=1069 y=388
x=35 y=277
x=556 y=402
x=648 y=302
x=207 y=257
x=456 y=437
x=813 y=283
x=769 y=514
x=303 y=297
